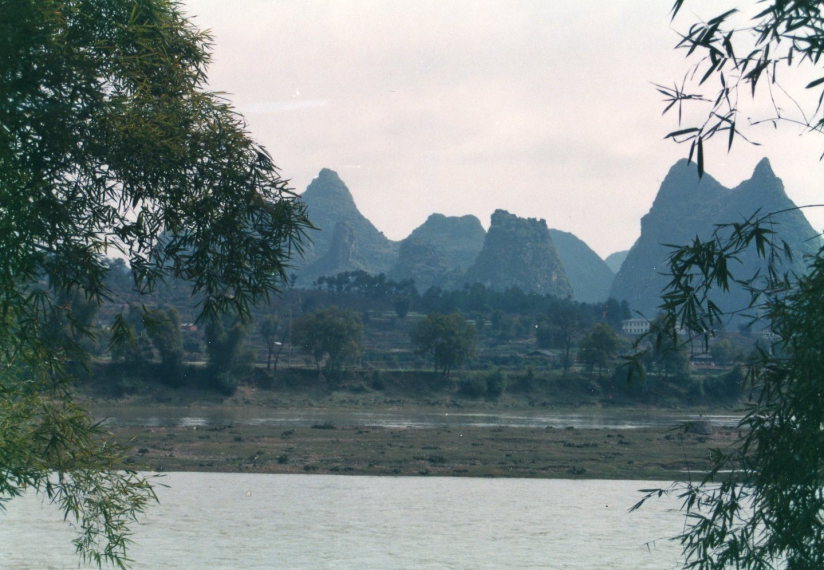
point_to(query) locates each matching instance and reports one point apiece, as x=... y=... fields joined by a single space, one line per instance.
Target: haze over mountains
x=450 y=252
x=615 y=260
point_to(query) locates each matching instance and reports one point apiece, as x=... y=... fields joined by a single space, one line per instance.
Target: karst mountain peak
x=451 y=252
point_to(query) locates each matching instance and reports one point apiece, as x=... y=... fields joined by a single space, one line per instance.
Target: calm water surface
x=207 y=520
x=604 y=419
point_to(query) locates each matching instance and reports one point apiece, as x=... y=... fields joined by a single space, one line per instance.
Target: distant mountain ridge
x=451 y=251
x=441 y=251
x=588 y=274
x=688 y=206
x=615 y=260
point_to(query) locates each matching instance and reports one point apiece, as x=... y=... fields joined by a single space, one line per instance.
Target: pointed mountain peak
x=764 y=187
x=682 y=187
x=685 y=170
x=684 y=164
x=328 y=184
x=681 y=217
x=359 y=244
x=763 y=169
x=328 y=174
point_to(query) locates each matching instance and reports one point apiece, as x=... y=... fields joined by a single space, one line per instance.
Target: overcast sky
x=544 y=108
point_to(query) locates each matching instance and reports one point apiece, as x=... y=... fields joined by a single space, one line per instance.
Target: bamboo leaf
x=682 y=132
x=815 y=83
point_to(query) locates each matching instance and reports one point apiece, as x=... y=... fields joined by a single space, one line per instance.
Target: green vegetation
x=163 y=327
x=144 y=336
x=668 y=355
x=269 y=329
x=448 y=339
x=734 y=57
x=109 y=142
x=561 y=329
x=599 y=347
x=494 y=345
x=224 y=337
x=762 y=503
x=331 y=335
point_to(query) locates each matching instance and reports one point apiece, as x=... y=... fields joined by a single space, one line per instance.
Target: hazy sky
x=543 y=108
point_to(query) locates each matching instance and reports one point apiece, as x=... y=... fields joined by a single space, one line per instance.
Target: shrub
x=496 y=383
x=473 y=386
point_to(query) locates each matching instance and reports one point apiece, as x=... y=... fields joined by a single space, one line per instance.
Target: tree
x=723 y=352
x=402 y=305
x=762 y=503
x=332 y=336
x=599 y=347
x=163 y=328
x=448 y=339
x=70 y=328
x=109 y=142
x=268 y=329
x=561 y=328
x=224 y=337
x=615 y=313
x=782 y=35
x=667 y=354
x=130 y=342
x=144 y=335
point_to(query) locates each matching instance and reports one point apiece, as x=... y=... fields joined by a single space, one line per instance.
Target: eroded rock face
x=439 y=251
x=341 y=255
x=518 y=252
x=688 y=206
x=331 y=208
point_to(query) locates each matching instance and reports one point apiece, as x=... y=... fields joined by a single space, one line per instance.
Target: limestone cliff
x=518 y=252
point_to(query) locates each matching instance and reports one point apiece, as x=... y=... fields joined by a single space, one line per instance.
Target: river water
x=591 y=419
x=219 y=520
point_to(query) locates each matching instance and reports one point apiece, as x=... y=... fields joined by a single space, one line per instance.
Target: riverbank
x=494 y=388
x=646 y=453
x=407 y=429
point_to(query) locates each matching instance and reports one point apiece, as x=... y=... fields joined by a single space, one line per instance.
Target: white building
x=635 y=327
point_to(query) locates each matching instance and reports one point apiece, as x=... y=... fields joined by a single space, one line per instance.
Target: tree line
x=354 y=319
